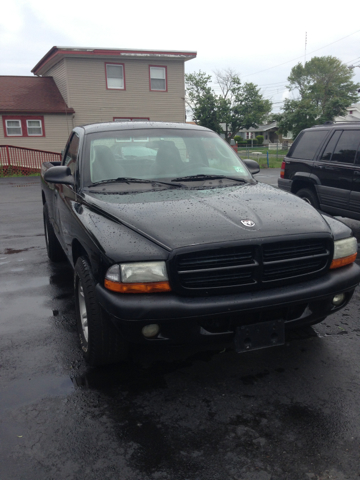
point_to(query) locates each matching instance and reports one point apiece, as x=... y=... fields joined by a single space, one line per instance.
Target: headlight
x=345 y=252
x=143 y=272
x=139 y=277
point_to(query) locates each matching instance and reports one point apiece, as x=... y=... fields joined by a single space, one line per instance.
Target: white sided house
x=93 y=85
x=352 y=114
x=268 y=131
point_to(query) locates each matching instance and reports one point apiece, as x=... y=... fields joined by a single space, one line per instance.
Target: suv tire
x=309 y=197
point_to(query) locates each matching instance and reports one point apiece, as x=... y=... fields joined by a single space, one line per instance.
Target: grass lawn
x=275 y=158
x=16 y=173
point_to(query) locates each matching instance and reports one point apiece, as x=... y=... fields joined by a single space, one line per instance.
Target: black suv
x=323 y=168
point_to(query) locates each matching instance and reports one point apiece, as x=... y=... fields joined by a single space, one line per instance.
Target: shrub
x=238 y=139
x=253 y=140
x=260 y=139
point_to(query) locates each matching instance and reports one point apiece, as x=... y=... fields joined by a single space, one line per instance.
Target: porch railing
x=24 y=160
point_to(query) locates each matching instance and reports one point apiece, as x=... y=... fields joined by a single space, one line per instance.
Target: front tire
x=100 y=342
x=309 y=197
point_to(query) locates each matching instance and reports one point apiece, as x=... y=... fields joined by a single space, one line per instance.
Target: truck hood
x=184 y=217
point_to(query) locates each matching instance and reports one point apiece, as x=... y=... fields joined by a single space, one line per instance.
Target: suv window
x=331 y=145
x=346 y=147
x=308 y=144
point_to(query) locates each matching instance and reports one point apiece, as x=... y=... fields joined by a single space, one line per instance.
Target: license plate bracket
x=259 y=335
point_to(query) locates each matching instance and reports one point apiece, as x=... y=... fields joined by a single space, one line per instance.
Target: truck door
x=66 y=196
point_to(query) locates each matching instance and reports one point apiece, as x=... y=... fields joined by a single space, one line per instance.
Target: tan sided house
x=76 y=86
x=34 y=114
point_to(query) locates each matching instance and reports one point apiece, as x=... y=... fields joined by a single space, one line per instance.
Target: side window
x=72 y=153
x=13 y=128
x=34 y=128
x=158 y=78
x=346 y=147
x=115 y=76
x=308 y=144
x=328 y=151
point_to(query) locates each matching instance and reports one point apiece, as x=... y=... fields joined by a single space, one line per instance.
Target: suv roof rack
x=324 y=124
x=327 y=124
x=347 y=123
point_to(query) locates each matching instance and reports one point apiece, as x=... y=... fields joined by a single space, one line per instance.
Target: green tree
x=241 y=105
x=238 y=106
x=202 y=100
x=324 y=88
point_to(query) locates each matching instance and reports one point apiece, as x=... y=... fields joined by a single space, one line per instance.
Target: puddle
x=30 y=390
x=11 y=251
x=23 y=312
x=23 y=284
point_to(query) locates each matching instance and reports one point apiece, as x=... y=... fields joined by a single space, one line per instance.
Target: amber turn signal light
x=341 y=262
x=151 y=287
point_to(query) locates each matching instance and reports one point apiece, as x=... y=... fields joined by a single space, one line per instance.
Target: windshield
x=159 y=154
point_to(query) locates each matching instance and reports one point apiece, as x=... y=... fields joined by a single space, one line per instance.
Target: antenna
x=305 y=48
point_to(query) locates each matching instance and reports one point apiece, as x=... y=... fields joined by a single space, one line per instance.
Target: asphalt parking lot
x=286 y=413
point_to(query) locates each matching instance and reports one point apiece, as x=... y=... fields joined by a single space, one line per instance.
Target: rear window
x=308 y=144
x=346 y=147
x=342 y=146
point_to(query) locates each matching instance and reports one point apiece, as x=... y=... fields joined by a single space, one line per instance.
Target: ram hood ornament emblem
x=248 y=223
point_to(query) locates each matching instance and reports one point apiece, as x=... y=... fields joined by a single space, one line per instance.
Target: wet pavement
x=287 y=413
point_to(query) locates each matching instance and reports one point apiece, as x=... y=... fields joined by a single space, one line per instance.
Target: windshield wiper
x=133 y=180
x=201 y=176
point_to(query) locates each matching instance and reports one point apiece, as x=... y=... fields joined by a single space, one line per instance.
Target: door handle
x=356 y=172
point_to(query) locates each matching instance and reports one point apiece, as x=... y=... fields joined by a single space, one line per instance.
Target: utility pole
x=305 y=48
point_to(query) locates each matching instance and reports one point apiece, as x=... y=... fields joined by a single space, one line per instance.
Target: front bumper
x=213 y=319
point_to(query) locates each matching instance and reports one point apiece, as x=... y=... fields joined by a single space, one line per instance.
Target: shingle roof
x=31 y=95
x=260 y=128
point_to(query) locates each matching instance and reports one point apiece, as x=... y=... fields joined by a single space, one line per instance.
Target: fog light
x=150 y=331
x=338 y=299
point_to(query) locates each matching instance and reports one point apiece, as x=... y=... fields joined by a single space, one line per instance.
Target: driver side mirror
x=252 y=166
x=61 y=175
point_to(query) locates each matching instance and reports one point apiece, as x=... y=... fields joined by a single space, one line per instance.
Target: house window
x=22 y=126
x=13 y=128
x=115 y=76
x=158 y=78
x=34 y=128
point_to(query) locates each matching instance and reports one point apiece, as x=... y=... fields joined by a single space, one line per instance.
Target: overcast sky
x=261 y=40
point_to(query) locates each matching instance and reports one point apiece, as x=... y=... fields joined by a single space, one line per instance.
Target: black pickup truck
x=173 y=241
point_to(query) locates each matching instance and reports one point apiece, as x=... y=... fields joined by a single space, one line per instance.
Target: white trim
x=34 y=134
x=19 y=126
x=122 y=78
x=158 y=78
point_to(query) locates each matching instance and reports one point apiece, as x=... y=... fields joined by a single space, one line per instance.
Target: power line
x=277 y=83
x=288 y=61
x=350 y=61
